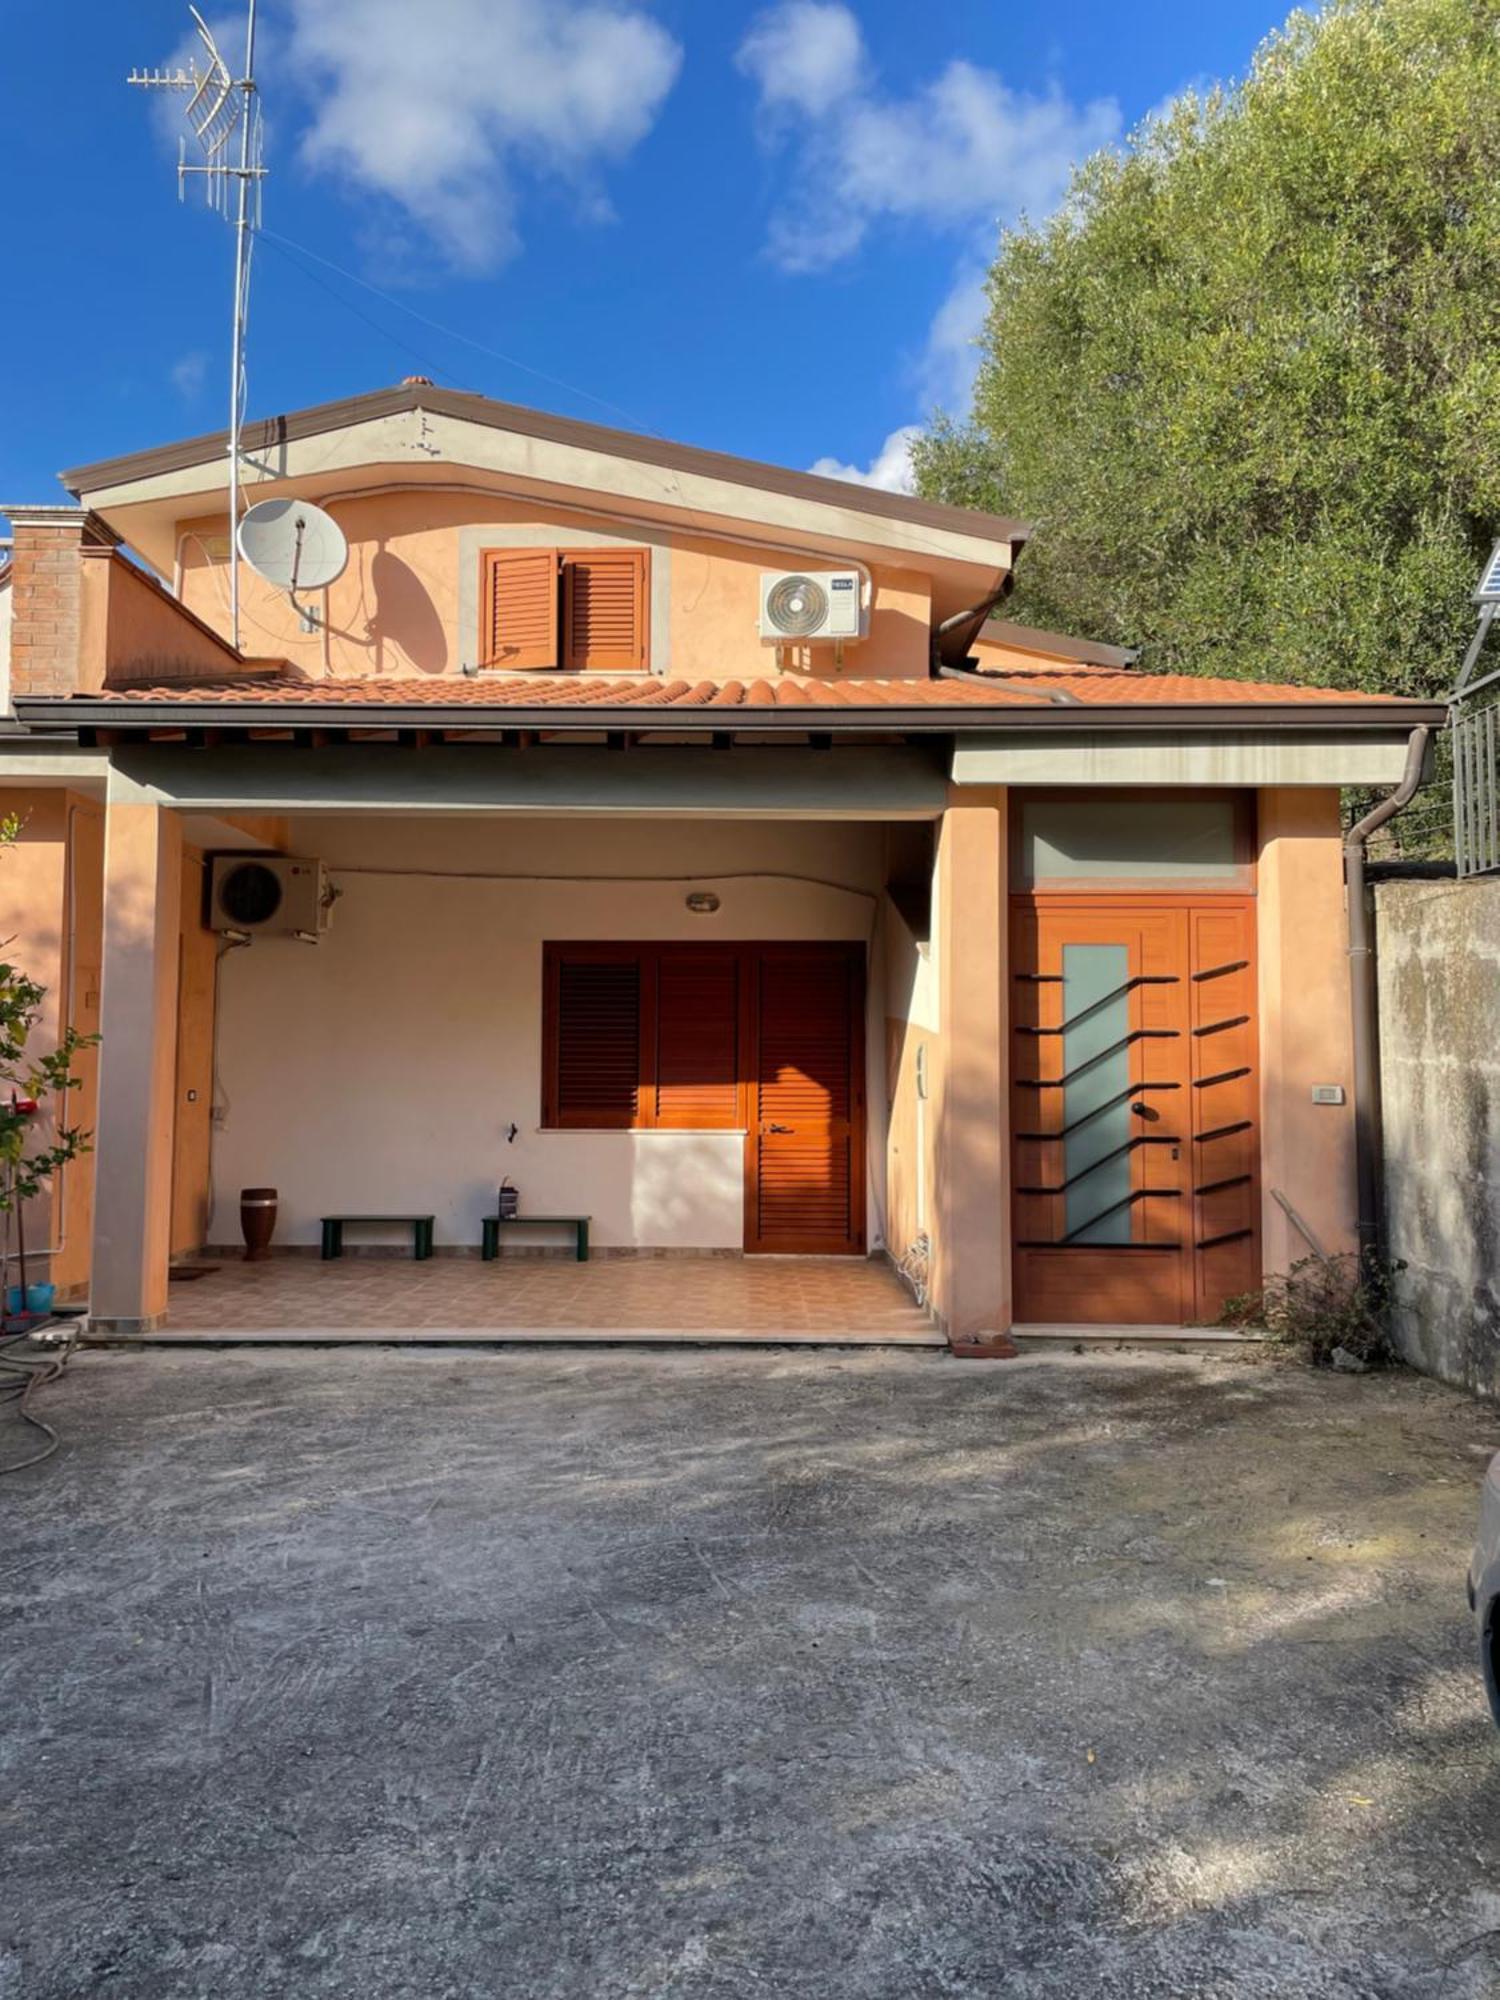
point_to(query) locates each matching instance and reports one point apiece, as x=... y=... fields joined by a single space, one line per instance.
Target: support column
x=972 y=1248
x=137 y=1057
x=1307 y=1148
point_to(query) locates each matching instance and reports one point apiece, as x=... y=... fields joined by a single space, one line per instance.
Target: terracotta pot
x=257 y=1221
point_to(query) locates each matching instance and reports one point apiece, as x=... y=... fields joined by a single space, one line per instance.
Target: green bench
x=420 y=1226
x=493 y=1224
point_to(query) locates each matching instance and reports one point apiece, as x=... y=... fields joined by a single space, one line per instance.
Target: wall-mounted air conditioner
x=798 y=606
x=270 y=895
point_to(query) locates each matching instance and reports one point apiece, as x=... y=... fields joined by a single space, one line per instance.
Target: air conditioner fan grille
x=797 y=606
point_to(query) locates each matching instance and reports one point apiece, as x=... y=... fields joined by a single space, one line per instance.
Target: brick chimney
x=46 y=594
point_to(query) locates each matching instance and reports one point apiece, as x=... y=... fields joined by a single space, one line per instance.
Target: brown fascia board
x=74 y=712
x=210 y=450
x=1059 y=645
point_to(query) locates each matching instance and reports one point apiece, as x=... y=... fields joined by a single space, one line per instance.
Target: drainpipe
x=1363 y=998
x=1058 y=697
x=969 y=622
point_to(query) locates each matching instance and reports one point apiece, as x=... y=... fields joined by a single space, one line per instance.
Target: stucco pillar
x=971 y=1247
x=1307 y=1148
x=138 y=1022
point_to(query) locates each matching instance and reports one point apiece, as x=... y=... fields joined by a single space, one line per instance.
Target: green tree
x=30 y=1152
x=1247 y=381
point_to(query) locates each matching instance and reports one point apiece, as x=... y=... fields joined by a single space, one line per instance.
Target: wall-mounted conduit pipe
x=1363 y=996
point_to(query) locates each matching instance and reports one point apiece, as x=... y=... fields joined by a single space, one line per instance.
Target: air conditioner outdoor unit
x=798 y=605
x=270 y=895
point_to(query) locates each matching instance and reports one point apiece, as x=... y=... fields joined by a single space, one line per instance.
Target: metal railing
x=1474 y=740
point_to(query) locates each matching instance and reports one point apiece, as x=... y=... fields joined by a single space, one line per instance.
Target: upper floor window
x=577 y=609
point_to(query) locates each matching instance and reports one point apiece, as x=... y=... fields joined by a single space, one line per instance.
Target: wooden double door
x=1134 y=1109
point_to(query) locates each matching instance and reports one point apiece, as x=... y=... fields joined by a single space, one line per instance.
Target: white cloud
x=805 y=55
x=961 y=147
x=950 y=358
x=890 y=469
x=188 y=374
x=439 y=107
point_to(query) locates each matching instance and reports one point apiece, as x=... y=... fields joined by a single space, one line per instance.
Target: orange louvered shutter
x=806 y=1148
x=697 y=1039
x=604 y=610
x=593 y=1066
x=518 y=614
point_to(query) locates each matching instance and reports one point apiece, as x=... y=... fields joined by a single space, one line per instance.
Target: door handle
x=1143 y=1110
x=780 y=1128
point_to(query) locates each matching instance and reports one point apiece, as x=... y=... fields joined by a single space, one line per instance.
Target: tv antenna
x=223 y=114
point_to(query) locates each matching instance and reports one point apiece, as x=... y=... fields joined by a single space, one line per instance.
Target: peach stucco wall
x=382 y=1067
x=971 y=1267
x=193 y=1076
x=133 y=1183
x=408 y=602
x=1307 y=1149
x=50 y=912
x=131 y=629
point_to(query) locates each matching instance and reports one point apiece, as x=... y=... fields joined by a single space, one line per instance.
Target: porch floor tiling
x=803 y=1300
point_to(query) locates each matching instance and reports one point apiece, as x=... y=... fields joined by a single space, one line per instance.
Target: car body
x=1484 y=1585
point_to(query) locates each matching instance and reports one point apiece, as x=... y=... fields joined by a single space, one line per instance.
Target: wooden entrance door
x=805 y=1148
x=1134 y=1111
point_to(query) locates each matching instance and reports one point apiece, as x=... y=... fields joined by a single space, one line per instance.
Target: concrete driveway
x=748 y=1673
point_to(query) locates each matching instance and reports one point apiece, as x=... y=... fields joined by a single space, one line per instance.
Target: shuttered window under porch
x=643 y=1036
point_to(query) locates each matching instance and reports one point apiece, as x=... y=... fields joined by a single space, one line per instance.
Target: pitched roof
x=320 y=418
x=1088 y=696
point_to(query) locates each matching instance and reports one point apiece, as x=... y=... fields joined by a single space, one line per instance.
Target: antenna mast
x=224 y=115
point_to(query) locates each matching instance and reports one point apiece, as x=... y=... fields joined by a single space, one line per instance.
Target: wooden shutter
x=518 y=608
x=604 y=610
x=593 y=1061
x=697 y=1040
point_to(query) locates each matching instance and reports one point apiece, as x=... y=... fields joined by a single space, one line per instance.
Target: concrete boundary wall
x=1439 y=957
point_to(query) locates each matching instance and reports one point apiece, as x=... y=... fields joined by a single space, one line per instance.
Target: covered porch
x=412 y=1057
x=799 y=1301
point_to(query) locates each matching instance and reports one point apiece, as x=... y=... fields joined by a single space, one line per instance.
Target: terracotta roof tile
x=1090 y=686
x=1128 y=685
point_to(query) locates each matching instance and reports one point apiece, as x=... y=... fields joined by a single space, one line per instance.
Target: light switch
x=1328 y=1093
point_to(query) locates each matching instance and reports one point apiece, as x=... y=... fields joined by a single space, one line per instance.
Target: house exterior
x=973 y=947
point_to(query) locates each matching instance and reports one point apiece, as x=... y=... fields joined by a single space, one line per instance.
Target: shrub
x=1323 y=1305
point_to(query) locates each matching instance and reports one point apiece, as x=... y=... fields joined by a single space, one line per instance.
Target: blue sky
x=755 y=228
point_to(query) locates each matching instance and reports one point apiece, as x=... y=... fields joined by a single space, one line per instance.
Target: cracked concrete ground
x=546 y=1674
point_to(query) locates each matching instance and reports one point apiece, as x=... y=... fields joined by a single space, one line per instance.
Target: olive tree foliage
x=1246 y=382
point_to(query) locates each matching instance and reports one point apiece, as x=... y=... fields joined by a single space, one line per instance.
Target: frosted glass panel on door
x=1130 y=840
x=1096 y=1095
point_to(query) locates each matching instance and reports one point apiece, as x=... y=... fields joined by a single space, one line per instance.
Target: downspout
x=1058 y=697
x=968 y=622
x=1368 y=1147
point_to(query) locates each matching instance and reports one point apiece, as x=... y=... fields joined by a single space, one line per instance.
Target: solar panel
x=1488 y=591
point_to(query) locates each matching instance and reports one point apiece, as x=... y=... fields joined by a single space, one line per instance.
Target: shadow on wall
x=404 y=620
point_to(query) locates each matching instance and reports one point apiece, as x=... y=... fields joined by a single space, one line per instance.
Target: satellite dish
x=293 y=544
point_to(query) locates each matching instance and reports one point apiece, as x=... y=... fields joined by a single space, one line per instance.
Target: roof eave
x=316 y=420
x=44 y=715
